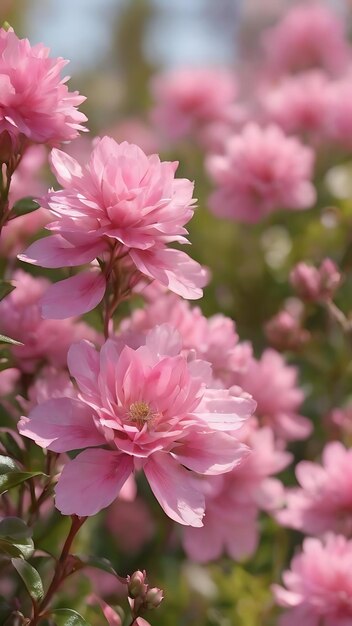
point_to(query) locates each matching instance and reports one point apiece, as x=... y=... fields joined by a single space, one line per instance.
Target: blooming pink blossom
x=155 y=412
x=123 y=208
x=273 y=385
x=130 y=524
x=313 y=283
x=319 y=584
x=35 y=102
x=233 y=501
x=44 y=340
x=261 y=171
x=324 y=500
x=8 y=380
x=187 y=99
x=212 y=339
x=300 y=104
x=309 y=35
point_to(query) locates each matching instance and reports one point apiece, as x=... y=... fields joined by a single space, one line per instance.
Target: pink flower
x=213 y=339
x=261 y=171
x=154 y=411
x=123 y=208
x=314 y=284
x=319 y=585
x=309 y=35
x=130 y=524
x=187 y=99
x=284 y=331
x=47 y=340
x=35 y=103
x=324 y=501
x=300 y=104
x=273 y=385
x=233 y=501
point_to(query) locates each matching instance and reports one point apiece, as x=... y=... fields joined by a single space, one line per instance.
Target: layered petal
x=74 y=296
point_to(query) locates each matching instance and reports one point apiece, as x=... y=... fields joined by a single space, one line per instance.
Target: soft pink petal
x=92 y=481
x=73 y=296
x=83 y=364
x=203 y=544
x=223 y=411
x=61 y=424
x=54 y=251
x=112 y=618
x=211 y=453
x=175 y=489
x=64 y=167
x=174 y=269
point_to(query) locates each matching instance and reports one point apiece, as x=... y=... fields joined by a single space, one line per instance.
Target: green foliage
x=24 y=206
x=30 y=577
x=15 y=538
x=5 y=288
x=68 y=617
x=11 y=475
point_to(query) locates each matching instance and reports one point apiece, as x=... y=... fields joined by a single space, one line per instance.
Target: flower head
x=123 y=208
x=261 y=171
x=154 y=411
x=308 y=36
x=319 y=584
x=324 y=500
x=35 y=103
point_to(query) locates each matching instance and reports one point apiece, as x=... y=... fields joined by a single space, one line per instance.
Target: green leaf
x=24 y=206
x=5 y=288
x=10 y=444
x=68 y=617
x=30 y=577
x=97 y=562
x=13 y=342
x=5 y=610
x=15 y=538
x=11 y=475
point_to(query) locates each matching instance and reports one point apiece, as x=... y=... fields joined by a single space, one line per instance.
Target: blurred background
x=114 y=48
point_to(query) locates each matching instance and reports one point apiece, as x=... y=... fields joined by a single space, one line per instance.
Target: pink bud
x=284 y=332
x=154 y=598
x=136 y=584
x=305 y=280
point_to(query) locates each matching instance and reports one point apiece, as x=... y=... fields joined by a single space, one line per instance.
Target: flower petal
x=61 y=424
x=55 y=251
x=211 y=453
x=176 y=489
x=92 y=481
x=73 y=296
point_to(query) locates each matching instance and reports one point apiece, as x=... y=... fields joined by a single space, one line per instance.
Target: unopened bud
x=284 y=332
x=136 y=584
x=154 y=598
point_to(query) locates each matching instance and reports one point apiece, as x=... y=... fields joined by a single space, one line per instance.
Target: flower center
x=140 y=413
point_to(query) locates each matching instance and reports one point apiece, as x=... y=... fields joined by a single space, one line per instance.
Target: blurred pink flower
x=124 y=208
x=340 y=419
x=309 y=35
x=273 y=385
x=261 y=171
x=300 y=104
x=35 y=102
x=213 y=339
x=284 y=331
x=314 y=284
x=187 y=99
x=156 y=413
x=233 y=502
x=319 y=585
x=324 y=501
x=44 y=340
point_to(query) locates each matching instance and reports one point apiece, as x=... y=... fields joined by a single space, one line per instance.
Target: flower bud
x=305 y=280
x=154 y=598
x=136 y=584
x=284 y=332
